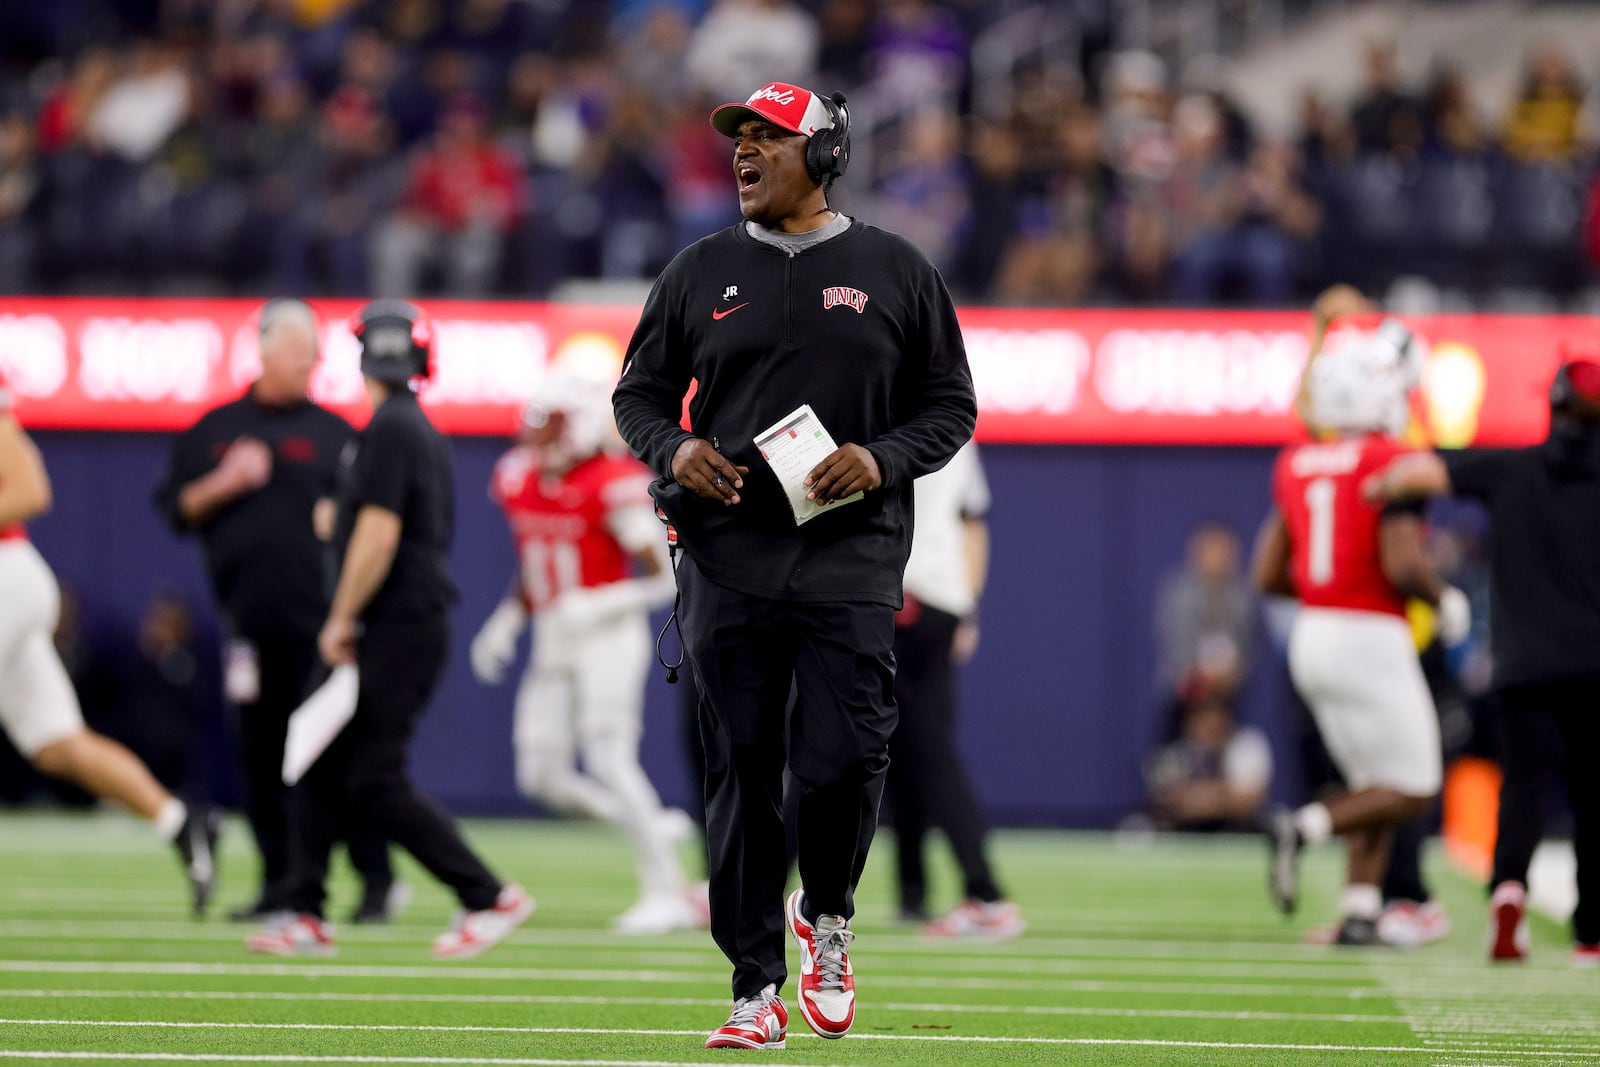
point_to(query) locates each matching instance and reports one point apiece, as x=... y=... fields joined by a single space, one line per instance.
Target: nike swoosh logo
x=721 y=313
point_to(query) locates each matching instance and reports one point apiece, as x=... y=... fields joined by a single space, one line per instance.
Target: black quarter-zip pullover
x=861 y=328
x=261 y=551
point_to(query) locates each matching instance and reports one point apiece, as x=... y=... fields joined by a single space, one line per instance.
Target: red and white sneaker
x=1508 y=923
x=827 y=981
x=760 y=1021
x=995 y=920
x=1407 y=924
x=298 y=935
x=1586 y=956
x=475 y=932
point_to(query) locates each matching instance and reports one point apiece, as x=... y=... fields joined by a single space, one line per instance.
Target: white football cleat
x=658 y=914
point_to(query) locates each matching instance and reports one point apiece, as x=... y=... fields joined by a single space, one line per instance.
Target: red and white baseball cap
x=788 y=106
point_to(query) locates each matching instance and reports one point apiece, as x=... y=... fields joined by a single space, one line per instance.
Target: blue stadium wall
x=1060 y=706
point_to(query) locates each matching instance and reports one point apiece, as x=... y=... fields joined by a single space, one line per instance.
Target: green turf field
x=1164 y=953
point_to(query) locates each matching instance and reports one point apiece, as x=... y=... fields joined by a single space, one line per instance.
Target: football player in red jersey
x=1353 y=566
x=38 y=708
x=591 y=565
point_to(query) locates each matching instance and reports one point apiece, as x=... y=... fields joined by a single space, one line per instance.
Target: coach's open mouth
x=749 y=175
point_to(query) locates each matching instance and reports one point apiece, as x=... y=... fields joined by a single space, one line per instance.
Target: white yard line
x=890 y=966
x=699 y=1002
x=163 y=906
x=973 y=955
x=1108 y=1042
x=1560 y=1019
x=661 y=1032
x=1029 y=947
x=532 y=974
x=1471 y=989
x=200 y=1057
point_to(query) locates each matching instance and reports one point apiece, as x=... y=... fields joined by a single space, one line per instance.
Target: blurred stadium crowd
x=499 y=147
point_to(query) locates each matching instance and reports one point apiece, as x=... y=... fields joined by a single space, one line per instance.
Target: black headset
x=828 y=151
x=396 y=341
x=1561 y=386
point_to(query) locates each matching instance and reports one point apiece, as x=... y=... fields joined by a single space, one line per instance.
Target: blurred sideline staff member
x=1544 y=511
x=38 y=707
x=389 y=618
x=254 y=478
x=798 y=304
x=928 y=784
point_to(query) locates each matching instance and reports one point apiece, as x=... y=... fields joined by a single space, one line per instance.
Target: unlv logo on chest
x=843 y=296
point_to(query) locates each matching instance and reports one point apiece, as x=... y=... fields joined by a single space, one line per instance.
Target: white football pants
x=582 y=697
x=1359 y=674
x=38 y=706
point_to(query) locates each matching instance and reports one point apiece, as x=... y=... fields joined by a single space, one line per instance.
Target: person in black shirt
x=253 y=479
x=798 y=305
x=1544 y=510
x=388 y=621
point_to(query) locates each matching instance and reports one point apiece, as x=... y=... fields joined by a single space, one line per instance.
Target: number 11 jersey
x=1333 y=532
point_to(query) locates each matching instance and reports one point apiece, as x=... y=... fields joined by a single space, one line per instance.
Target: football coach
x=797 y=305
x=254 y=479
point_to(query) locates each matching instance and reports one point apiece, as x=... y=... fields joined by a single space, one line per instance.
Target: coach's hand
x=248 y=464
x=337 y=641
x=704 y=471
x=848 y=469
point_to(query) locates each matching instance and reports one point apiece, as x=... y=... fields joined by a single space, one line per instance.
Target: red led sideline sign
x=1043 y=377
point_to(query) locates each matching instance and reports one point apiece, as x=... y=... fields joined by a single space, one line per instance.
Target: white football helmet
x=1361 y=389
x=1392 y=345
x=590 y=426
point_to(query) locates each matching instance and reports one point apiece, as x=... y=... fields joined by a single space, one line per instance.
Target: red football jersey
x=561 y=522
x=15 y=531
x=1333 y=532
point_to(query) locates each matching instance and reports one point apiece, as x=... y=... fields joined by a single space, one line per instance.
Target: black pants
x=285 y=664
x=695 y=750
x=928 y=784
x=1549 y=730
x=361 y=782
x=1402 y=878
x=746 y=651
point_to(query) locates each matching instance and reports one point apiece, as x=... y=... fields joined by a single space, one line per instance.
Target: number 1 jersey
x=1333 y=532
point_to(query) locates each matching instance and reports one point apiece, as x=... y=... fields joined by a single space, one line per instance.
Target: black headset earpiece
x=828 y=153
x=1561 y=387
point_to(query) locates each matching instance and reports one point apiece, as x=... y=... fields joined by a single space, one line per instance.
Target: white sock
x=1314 y=823
x=169 y=820
x=1361 y=902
